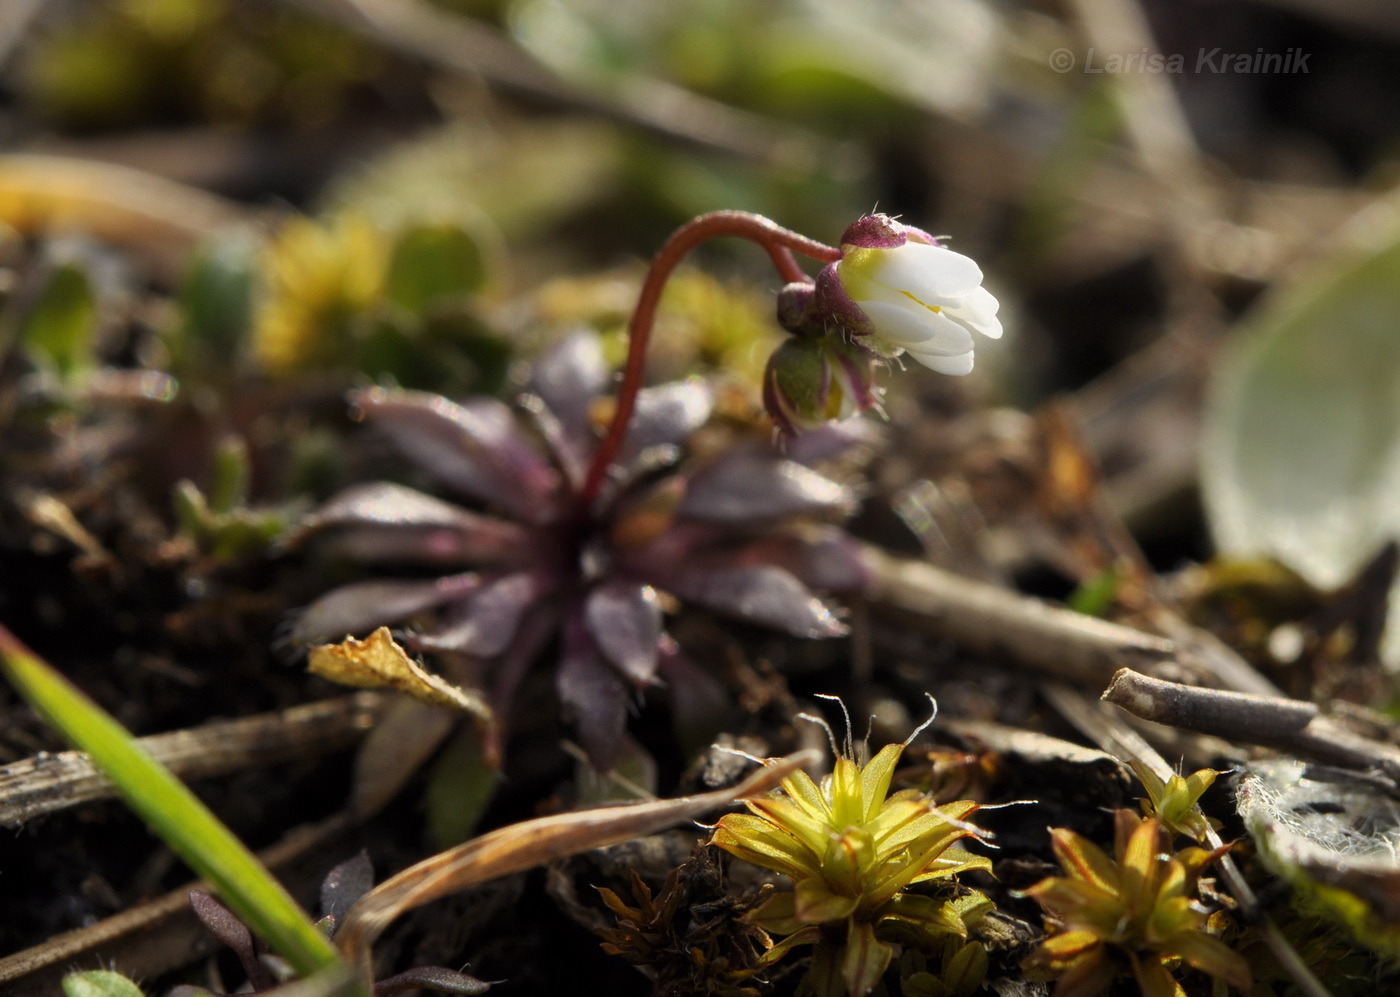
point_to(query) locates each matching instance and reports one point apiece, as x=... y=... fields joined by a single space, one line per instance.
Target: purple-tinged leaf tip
x=476 y=447
x=485 y=623
x=382 y=521
x=624 y=619
x=345 y=884
x=747 y=487
x=594 y=694
x=759 y=593
x=667 y=415
x=362 y=606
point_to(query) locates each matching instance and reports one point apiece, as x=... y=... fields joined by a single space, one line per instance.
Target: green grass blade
x=172 y=811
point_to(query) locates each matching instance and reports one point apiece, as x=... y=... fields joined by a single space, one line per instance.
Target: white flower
x=923 y=299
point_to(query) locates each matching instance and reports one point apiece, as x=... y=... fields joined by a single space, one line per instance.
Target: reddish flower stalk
x=780 y=243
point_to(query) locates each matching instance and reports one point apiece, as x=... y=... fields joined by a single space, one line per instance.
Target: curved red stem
x=780 y=244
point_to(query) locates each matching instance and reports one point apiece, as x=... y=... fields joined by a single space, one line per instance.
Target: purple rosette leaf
x=345 y=884
x=831 y=440
x=485 y=624
x=758 y=593
x=477 y=447
x=383 y=503
x=568 y=379
x=362 y=606
x=666 y=415
x=382 y=521
x=226 y=927
x=624 y=620
x=569 y=445
x=751 y=488
x=823 y=558
x=701 y=705
x=592 y=693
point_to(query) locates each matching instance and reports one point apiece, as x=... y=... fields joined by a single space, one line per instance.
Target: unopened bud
x=797 y=312
x=811 y=380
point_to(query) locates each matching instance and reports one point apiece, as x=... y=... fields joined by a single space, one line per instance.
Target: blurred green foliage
x=221 y=525
x=342 y=295
x=59 y=326
x=130 y=62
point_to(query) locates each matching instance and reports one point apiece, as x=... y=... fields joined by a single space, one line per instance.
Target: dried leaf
x=1334 y=838
x=377 y=662
x=525 y=845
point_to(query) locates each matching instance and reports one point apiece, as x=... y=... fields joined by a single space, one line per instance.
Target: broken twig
x=50 y=782
x=996 y=621
x=1289 y=725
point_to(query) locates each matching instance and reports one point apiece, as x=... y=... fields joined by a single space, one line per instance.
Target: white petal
x=911 y=325
x=930 y=273
x=956 y=365
x=977 y=311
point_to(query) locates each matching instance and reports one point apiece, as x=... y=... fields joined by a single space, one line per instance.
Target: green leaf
x=1301 y=449
x=99 y=983
x=864 y=960
x=172 y=811
x=1095 y=596
x=217 y=296
x=231 y=474
x=460 y=786
x=60 y=325
x=432 y=264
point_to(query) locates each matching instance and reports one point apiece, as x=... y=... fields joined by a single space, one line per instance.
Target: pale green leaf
x=1301 y=448
x=60 y=325
x=99 y=983
x=460 y=786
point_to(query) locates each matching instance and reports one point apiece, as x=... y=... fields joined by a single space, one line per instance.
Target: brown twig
x=1289 y=725
x=996 y=621
x=48 y=783
x=1044 y=637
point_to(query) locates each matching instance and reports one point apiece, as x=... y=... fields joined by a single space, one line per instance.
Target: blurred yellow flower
x=318 y=277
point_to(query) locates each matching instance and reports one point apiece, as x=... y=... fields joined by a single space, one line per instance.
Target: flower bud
x=797 y=309
x=811 y=380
